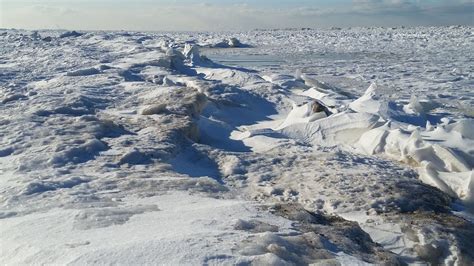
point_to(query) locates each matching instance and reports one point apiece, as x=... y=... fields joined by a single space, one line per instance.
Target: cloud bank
x=229 y=15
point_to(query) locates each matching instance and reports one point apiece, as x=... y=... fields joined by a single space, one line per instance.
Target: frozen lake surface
x=435 y=63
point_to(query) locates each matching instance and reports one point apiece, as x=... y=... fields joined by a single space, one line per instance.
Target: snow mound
x=230 y=43
x=465 y=127
x=304 y=114
x=415 y=148
x=342 y=128
x=446 y=148
x=415 y=106
x=373 y=126
x=191 y=52
x=370 y=102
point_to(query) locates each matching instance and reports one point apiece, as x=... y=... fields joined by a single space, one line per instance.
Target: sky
x=192 y=15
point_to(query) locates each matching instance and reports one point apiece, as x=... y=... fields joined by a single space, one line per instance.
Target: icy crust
x=119 y=145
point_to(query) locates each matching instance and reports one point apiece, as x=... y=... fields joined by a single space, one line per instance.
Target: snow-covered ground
x=331 y=147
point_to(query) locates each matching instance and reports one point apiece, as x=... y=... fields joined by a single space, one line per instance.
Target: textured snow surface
x=133 y=148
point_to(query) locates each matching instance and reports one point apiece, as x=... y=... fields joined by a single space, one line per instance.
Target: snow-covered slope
x=132 y=148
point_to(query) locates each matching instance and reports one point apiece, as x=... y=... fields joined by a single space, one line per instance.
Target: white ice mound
x=334 y=98
x=370 y=102
x=316 y=94
x=314 y=83
x=465 y=127
x=416 y=106
x=285 y=81
x=342 y=128
x=443 y=153
x=191 y=52
x=411 y=148
x=457 y=184
x=230 y=43
x=373 y=141
x=302 y=114
x=327 y=97
x=448 y=166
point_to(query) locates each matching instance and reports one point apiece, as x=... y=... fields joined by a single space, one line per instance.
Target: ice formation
x=230 y=43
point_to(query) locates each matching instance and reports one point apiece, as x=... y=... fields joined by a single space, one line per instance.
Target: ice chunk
x=305 y=114
x=230 y=43
x=13 y=97
x=465 y=127
x=70 y=34
x=191 y=52
x=415 y=106
x=373 y=141
x=439 y=165
x=371 y=102
x=83 y=72
x=231 y=165
x=342 y=128
x=35 y=35
x=452 y=162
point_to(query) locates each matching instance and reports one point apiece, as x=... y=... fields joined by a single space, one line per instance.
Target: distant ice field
x=434 y=63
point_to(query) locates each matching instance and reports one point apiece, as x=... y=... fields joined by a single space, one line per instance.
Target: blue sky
x=228 y=14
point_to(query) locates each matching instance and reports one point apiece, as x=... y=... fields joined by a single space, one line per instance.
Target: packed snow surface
x=324 y=147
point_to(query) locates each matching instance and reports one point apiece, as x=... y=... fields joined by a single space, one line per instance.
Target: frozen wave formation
x=132 y=148
x=443 y=154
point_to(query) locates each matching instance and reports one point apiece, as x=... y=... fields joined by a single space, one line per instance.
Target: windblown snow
x=286 y=147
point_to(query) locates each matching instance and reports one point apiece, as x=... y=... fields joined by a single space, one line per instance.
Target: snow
x=134 y=148
x=177 y=228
